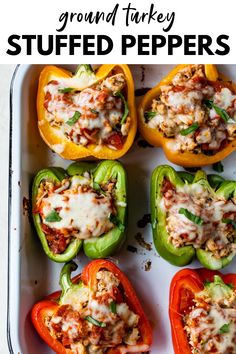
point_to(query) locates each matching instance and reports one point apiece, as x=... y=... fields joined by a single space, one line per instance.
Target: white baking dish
x=31 y=274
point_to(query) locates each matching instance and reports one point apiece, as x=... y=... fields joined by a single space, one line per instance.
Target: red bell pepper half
x=185 y=284
x=125 y=293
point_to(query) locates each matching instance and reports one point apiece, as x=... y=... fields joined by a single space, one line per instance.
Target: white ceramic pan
x=31 y=274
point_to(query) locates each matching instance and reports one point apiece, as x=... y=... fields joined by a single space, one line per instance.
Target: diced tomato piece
x=205 y=146
x=223 y=144
x=67 y=99
x=56 y=240
x=115 y=140
x=118 y=295
x=201 y=80
x=53 y=82
x=218 y=85
x=187 y=302
x=166 y=186
x=66 y=341
x=46 y=229
x=178 y=88
x=58 y=209
x=59 y=243
x=47 y=99
x=89 y=134
x=102 y=96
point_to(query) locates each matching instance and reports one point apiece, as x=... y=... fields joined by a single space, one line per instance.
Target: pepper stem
x=65 y=276
x=83 y=68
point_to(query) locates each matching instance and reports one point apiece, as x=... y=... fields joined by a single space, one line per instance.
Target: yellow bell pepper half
x=156 y=138
x=62 y=145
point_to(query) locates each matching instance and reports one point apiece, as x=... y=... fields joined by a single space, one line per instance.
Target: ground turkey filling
x=210 y=324
x=92 y=115
x=74 y=209
x=186 y=103
x=216 y=233
x=110 y=322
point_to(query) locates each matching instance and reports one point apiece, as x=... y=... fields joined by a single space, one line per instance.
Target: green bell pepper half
x=182 y=256
x=104 y=246
x=95 y=247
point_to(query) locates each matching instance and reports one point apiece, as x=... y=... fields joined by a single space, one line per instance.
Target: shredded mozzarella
x=83 y=336
x=84 y=212
x=184 y=102
x=213 y=234
x=100 y=111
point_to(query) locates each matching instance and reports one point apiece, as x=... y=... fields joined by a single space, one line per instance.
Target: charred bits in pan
x=139 y=238
x=146 y=219
x=141 y=91
x=147 y=265
x=26 y=206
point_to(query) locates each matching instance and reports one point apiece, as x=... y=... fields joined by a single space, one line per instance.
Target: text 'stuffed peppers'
x=193 y=215
x=96 y=313
x=193 y=121
x=200 y=306
x=88 y=114
x=83 y=206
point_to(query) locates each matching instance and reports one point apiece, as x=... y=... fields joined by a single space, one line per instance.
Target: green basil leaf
x=220 y=111
x=215 y=180
x=93 y=111
x=230 y=285
x=207 y=282
x=190 y=129
x=126 y=111
x=66 y=90
x=114 y=219
x=225 y=328
x=113 y=307
x=208 y=103
x=53 y=216
x=218 y=167
x=149 y=115
x=229 y=221
x=95 y=322
x=74 y=119
x=194 y=218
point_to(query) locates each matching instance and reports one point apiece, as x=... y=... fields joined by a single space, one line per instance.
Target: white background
x=210 y=17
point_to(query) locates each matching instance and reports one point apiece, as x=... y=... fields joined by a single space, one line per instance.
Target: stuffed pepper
x=193 y=215
x=89 y=113
x=97 y=312
x=191 y=113
x=84 y=205
x=203 y=312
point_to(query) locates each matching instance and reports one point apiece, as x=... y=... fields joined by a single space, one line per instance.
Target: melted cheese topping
x=211 y=322
x=183 y=103
x=213 y=234
x=186 y=100
x=83 y=212
x=100 y=111
x=208 y=330
x=224 y=98
x=70 y=325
